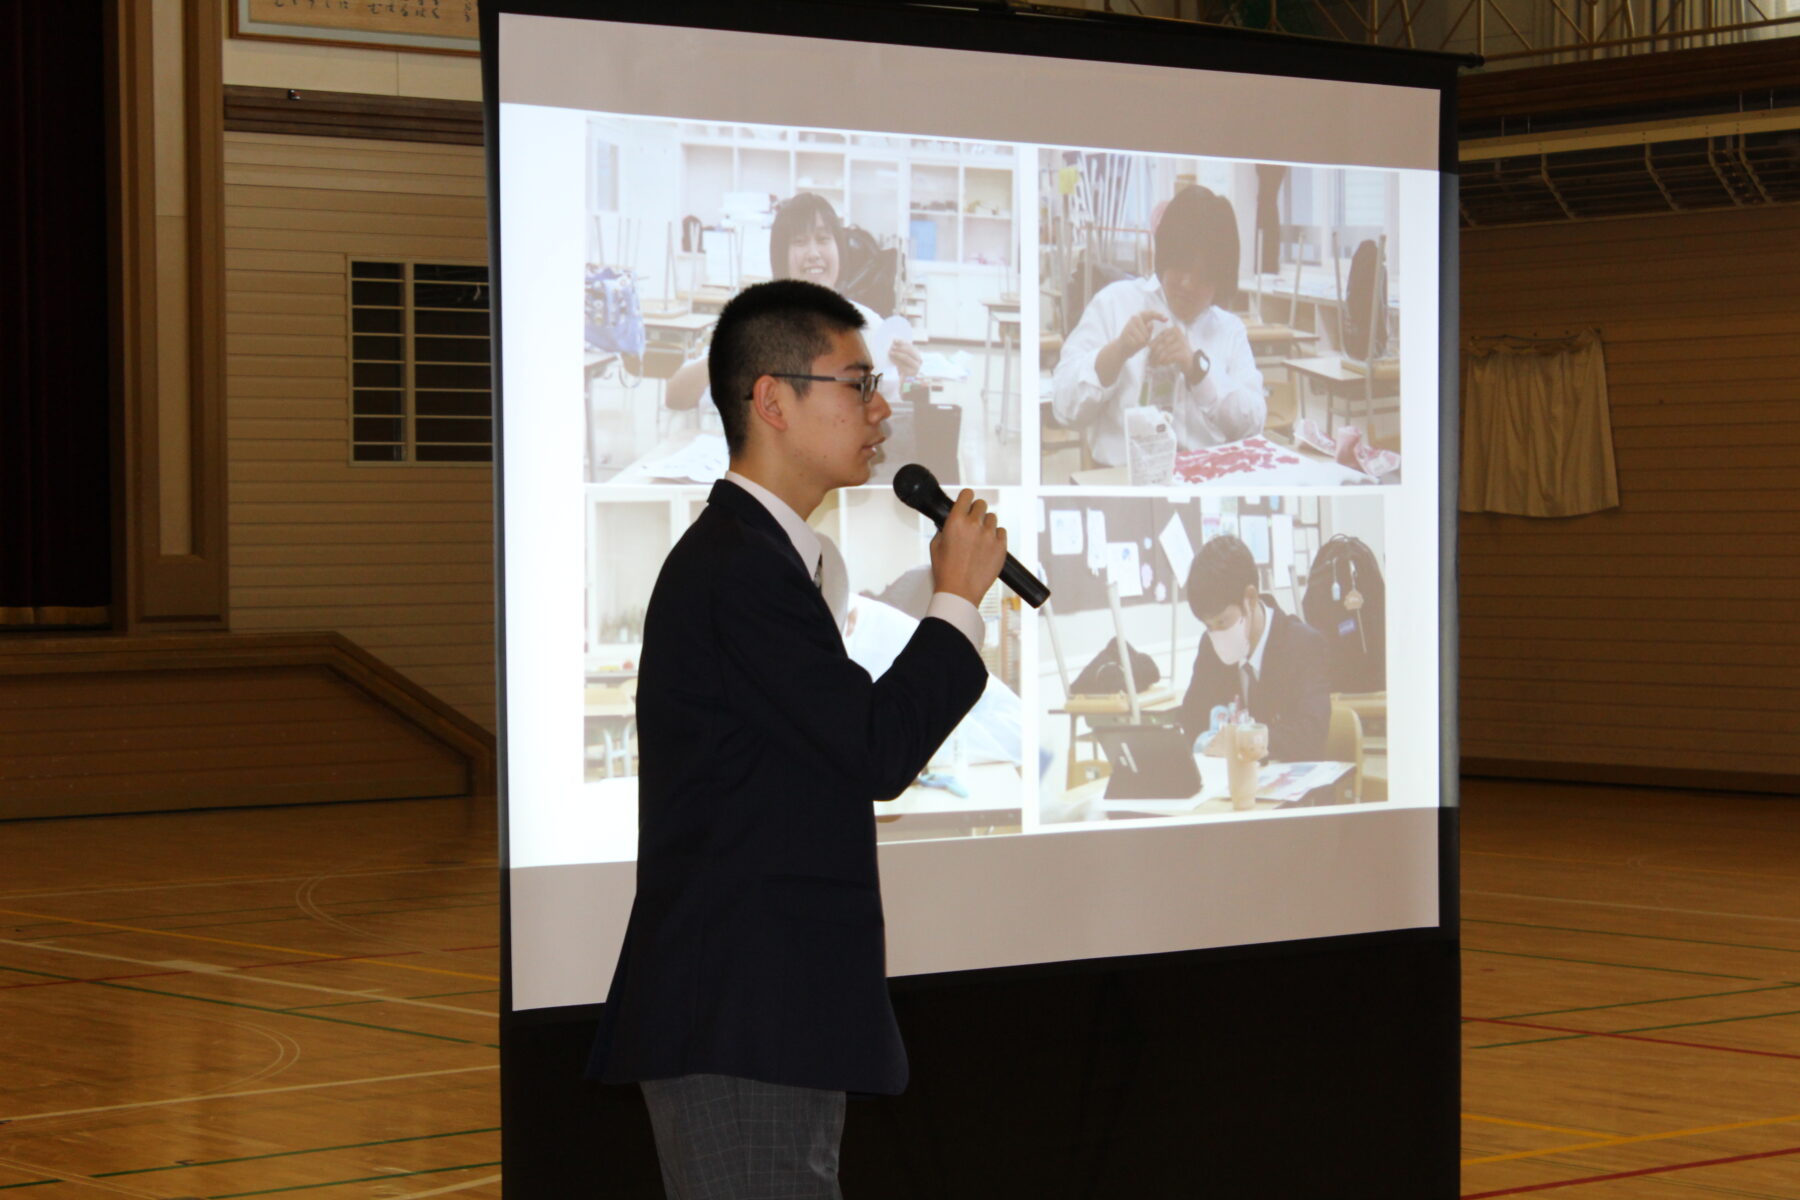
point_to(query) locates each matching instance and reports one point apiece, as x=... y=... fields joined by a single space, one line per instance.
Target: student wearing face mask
x=1166 y=341
x=1252 y=647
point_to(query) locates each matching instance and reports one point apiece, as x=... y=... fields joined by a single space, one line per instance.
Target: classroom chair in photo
x=1283 y=409
x=1344 y=743
x=1362 y=331
x=1062 y=450
x=611 y=721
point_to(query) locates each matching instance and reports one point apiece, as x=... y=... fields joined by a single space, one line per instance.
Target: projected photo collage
x=1212 y=355
x=1255 y=629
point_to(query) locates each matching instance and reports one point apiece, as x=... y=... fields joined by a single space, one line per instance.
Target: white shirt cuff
x=947 y=606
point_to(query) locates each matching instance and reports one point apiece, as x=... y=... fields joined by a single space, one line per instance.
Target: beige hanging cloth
x=1537 y=427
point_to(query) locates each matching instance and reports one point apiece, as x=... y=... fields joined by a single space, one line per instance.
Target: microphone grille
x=914 y=482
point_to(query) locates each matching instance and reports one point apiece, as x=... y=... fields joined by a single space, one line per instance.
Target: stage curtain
x=1537 y=426
x=55 y=410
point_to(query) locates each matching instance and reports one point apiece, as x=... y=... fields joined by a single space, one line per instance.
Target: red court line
x=1632 y=1037
x=1687 y=1166
x=10 y=987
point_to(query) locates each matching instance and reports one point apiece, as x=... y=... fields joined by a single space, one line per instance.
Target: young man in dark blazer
x=1252 y=647
x=751 y=992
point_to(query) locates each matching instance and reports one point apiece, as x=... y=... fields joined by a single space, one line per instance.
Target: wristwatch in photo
x=1202 y=365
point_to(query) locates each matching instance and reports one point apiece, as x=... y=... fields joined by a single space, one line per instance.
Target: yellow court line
x=1593 y=1133
x=200 y=937
x=1625 y=1141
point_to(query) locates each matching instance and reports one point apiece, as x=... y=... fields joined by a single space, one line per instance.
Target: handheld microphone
x=918 y=489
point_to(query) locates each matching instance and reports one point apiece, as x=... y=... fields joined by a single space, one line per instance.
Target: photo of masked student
x=873 y=582
x=919 y=234
x=1255 y=630
x=1209 y=319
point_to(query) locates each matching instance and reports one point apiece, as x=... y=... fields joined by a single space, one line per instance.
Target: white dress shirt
x=1262 y=643
x=964 y=617
x=1226 y=405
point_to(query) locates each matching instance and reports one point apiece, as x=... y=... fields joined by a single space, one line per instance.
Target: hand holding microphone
x=970 y=548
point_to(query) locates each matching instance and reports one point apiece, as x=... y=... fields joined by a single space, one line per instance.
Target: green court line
x=301 y=1187
x=1711 y=1021
x=1561 y=1037
x=1551 y=1012
x=294 y=914
x=1589 y=962
x=1569 y=1037
x=274 y=1012
x=7 y=1187
x=214 y=1162
x=1653 y=937
x=390 y=999
x=288 y=907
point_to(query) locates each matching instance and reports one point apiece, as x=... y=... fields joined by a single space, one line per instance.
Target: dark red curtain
x=55 y=345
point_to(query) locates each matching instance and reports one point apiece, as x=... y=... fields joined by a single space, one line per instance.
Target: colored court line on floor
x=7 y=1187
x=301 y=1187
x=228 y=880
x=1605 y=1142
x=1590 y=962
x=1553 y=1012
x=288 y=908
x=239 y=975
x=275 y=1012
x=197 y=937
x=1655 y=908
x=1687 y=1166
x=295 y=914
x=1629 y=1035
x=488 y=991
x=1648 y=937
x=1592 y=1133
x=268 y=1091
x=217 y=1162
x=67 y=980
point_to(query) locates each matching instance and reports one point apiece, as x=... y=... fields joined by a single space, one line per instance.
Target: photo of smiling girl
x=921 y=235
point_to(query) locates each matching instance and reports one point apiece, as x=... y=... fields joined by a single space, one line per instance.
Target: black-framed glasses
x=865 y=385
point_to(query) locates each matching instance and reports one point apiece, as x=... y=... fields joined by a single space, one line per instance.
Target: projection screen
x=996 y=217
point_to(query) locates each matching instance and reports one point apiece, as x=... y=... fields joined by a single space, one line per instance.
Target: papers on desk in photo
x=703 y=460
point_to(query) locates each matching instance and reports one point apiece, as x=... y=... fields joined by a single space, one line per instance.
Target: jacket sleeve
x=1300 y=737
x=1231 y=395
x=1203 y=694
x=787 y=662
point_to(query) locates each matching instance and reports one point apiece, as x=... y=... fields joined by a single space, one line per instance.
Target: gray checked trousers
x=719 y=1137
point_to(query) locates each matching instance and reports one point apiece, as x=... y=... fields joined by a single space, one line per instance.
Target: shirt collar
x=805 y=540
x=1262 y=643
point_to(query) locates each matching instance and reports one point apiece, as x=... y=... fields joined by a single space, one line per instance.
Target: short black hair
x=770 y=329
x=797 y=216
x=1221 y=572
x=1199 y=230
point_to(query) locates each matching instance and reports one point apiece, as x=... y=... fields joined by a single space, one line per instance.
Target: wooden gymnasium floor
x=300 y=1002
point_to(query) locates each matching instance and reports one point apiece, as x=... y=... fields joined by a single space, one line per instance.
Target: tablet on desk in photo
x=1149 y=762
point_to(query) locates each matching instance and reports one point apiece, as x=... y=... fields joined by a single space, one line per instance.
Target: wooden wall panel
x=1657 y=640
x=398 y=558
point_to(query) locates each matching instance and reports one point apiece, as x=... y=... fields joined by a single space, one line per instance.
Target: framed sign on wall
x=432 y=26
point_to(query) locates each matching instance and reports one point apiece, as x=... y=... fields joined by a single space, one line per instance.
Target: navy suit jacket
x=1292 y=695
x=756 y=945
